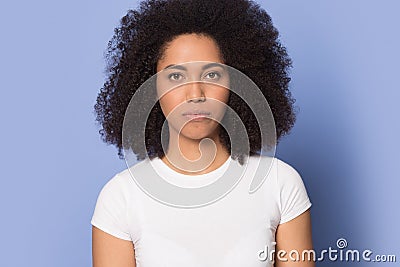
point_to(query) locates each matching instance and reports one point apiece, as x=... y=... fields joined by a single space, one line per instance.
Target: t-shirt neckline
x=186 y=180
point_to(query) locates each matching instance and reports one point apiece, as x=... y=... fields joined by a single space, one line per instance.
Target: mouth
x=197 y=115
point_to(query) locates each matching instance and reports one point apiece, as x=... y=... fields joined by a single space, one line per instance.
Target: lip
x=197 y=115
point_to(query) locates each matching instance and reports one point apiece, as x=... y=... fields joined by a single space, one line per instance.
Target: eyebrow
x=213 y=64
x=175 y=66
x=207 y=66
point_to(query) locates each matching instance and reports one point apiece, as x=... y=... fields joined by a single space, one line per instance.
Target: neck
x=195 y=156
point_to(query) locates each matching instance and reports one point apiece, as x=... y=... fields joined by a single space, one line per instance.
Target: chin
x=196 y=133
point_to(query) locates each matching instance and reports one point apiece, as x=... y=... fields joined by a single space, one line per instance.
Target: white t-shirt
x=234 y=231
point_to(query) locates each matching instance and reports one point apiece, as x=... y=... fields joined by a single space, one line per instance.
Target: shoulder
x=118 y=182
x=286 y=171
x=282 y=168
x=115 y=206
x=280 y=173
x=122 y=183
x=289 y=180
x=293 y=197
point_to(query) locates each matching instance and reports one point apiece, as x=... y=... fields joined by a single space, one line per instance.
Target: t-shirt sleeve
x=110 y=213
x=293 y=195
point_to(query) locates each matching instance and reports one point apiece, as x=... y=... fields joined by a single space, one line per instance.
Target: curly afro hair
x=247 y=40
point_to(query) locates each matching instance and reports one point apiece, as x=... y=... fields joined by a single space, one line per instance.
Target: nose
x=195 y=93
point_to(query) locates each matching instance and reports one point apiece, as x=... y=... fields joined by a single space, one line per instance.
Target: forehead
x=189 y=47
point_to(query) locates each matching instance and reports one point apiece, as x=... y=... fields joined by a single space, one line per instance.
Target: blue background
x=53 y=164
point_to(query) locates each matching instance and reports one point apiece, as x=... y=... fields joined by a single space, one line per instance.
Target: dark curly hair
x=247 y=40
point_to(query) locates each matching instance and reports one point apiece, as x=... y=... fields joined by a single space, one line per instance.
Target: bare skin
x=109 y=251
x=294 y=235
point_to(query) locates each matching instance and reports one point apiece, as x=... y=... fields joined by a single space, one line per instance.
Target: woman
x=178 y=39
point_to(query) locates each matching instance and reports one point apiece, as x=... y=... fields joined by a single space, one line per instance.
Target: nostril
x=197 y=99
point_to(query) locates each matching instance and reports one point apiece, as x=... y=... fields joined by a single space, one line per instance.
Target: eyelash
x=173 y=74
x=217 y=75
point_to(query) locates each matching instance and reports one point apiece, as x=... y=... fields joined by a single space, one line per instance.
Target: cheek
x=220 y=95
x=225 y=96
x=166 y=105
x=170 y=102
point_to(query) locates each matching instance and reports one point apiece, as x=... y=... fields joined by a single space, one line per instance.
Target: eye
x=214 y=75
x=176 y=76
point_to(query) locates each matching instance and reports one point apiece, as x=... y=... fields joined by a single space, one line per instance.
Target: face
x=192 y=86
